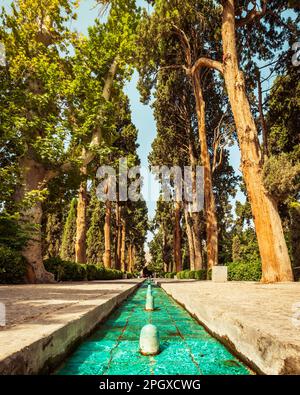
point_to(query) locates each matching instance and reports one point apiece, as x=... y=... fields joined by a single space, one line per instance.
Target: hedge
x=71 y=271
x=244 y=271
x=237 y=271
x=192 y=274
x=12 y=266
x=170 y=275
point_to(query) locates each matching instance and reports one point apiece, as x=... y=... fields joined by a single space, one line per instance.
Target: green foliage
x=12 y=233
x=294 y=212
x=281 y=176
x=94 y=236
x=71 y=271
x=170 y=275
x=13 y=237
x=245 y=246
x=244 y=271
x=192 y=274
x=12 y=266
x=65 y=270
x=67 y=251
x=52 y=235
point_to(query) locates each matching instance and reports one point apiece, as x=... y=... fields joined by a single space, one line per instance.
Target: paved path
x=44 y=321
x=259 y=320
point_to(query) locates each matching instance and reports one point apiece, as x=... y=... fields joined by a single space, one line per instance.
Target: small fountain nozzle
x=149 y=340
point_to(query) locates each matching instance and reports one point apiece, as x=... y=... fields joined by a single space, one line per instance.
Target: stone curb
x=39 y=347
x=261 y=351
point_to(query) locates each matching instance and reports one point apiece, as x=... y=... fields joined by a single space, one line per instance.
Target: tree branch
x=206 y=62
x=185 y=42
x=252 y=15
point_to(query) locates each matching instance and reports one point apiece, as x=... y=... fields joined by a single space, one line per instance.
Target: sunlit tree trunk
x=209 y=200
x=34 y=177
x=196 y=231
x=177 y=237
x=276 y=265
x=133 y=258
x=81 y=221
x=123 y=245
x=164 y=247
x=189 y=234
x=107 y=240
x=195 y=220
x=130 y=257
x=118 y=237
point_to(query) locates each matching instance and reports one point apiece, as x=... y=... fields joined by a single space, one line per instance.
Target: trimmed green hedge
x=170 y=275
x=71 y=271
x=237 y=271
x=192 y=274
x=244 y=271
x=12 y=266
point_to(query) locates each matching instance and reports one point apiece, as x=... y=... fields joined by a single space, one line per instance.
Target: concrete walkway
x=261 y=322
x=44 y=322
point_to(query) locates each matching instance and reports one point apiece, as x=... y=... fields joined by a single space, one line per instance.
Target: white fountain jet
x=149 y=340
x=149 y=302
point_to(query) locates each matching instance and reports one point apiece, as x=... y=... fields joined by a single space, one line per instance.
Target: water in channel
x=186 y=347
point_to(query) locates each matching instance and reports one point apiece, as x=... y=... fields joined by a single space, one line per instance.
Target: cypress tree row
x=67 y=250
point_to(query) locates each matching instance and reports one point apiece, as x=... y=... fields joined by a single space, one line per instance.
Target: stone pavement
x=261 y=322
x=43 y=322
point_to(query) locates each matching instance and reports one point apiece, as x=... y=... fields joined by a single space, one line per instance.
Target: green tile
x=185 y=346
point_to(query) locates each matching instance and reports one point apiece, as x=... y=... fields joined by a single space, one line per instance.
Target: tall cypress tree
x=67 y=250
x=94 y=239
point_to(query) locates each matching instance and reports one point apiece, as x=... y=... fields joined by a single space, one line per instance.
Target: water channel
x=185 y=346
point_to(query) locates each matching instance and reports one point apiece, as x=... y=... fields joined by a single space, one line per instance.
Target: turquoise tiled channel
x=186 y=347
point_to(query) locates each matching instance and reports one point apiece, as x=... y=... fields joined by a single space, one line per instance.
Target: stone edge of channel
x=263 y=354
x=45 y=354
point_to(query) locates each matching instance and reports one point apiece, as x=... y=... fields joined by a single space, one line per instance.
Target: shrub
x=200 y=274
x=170 y=275
x=55 y=265
x=192 y=274
x=244 y=271
x=92 y=272
x=12 y=266
x=71 y=271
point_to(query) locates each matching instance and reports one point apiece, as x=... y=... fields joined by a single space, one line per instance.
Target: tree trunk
x=164 y=247
x=263 y=123
x=195 y=224
x=276 y=265
x=196 y=231
x=87 y=157
x=107 y=243
x=34 y=178
x=177 y=238
x=118 y=236
x=123 y=245
x=209 y=200
x=130 y=258
x=189 y=233
x=81 y=221
x=133 y=258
